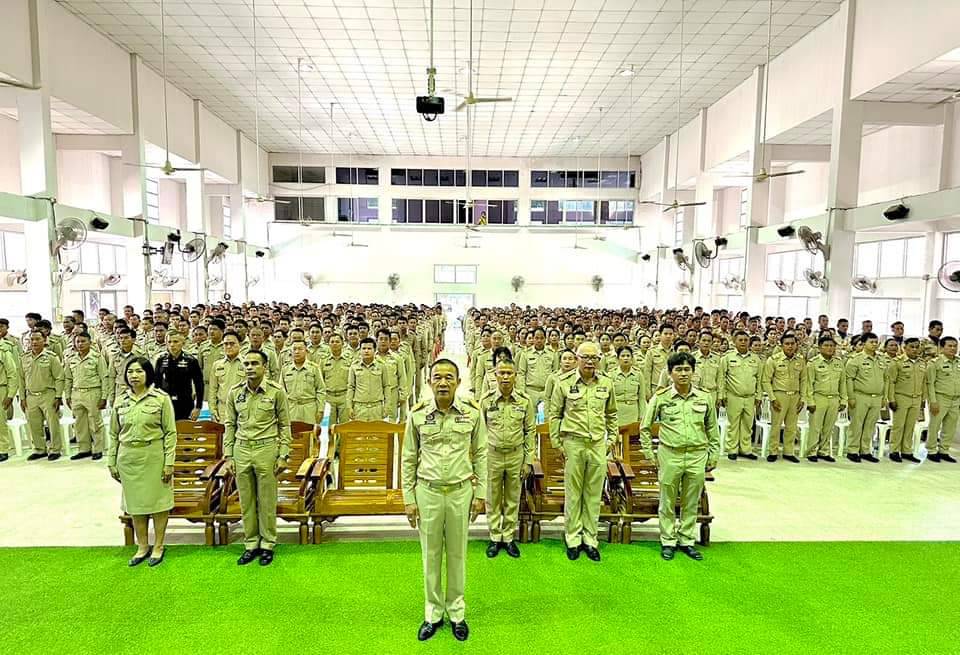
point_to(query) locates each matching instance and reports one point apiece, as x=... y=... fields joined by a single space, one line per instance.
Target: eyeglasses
x=589 y=358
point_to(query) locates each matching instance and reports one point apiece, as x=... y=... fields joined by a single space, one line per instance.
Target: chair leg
x=127 y=533
x=523 y=536
x=535 y=531
x=317 y=531
x=626 y=533
x=304 y=533
x=209 y=535
x=224 y=531
x=705 y=534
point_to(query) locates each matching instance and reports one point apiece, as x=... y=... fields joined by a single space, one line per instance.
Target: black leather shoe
x=136 y=560
x=52 y=457
x=157 y=561
x=910 y=458
x=771 y=458
x=732 y=457
x=749 y=456
x=512 y=549
x=428 y=629
x=32 y=457
x=854 y=457
x=248 y=556
x=460 y=630
x=4 y=457
x=592 y=553
x=944 y=457
x=933 y=457
x=667 y=552
x=81 y=456
x=266 y=557
x=813 y=458
x=573 y=553
x=96 y=456
x=869 y=458
x=791 y=458
x=895 y=457
x=493 y=548
x=827 y=458
x=690 y=552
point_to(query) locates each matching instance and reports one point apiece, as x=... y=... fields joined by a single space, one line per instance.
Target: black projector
x=429 y=106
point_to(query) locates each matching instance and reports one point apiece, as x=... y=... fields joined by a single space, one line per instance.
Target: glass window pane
x=430 y=177
x=511 y=178
x=916 y=253
x=399 y=210
x=788 y=266
x=432 y=211
x=891 y=258
x=446 y=211
x=479 y=212
x=479 y=178
x=466 y=274
x=414 y=177
x=538 y=211
x=344 y=209
x=369 y=175
x=414 y=211
x=866 y=259
x=15 y=255
x=574 y=179
x=554 y=212
x=494 y=178
x=773 y=267
x=446 y=177
x=444 y=274
x=538 y=178
x=590 y=179
x=313 y=175
x=557 y=179
x=108 y=263
x=609 y=179
x=461 y=177
x=398 y=176
x=494 y=212
x=462 y=212
x=509 y=212
x=343 y=175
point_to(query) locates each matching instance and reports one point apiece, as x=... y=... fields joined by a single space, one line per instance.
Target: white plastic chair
x=881 y=436
x=922 y=424
x=17 y=428
x=66 y=423
x=803 y=423
x=843 y=422
x=723 y=422
x=763 y=424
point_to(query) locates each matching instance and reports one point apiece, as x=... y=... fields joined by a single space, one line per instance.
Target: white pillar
x=947 y=150
x=844 y=183
x=754 y=264
x=133 y=156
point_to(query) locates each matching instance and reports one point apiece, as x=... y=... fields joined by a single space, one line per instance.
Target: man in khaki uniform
x=943 y=394
x=305 y=387
x=87 y=387
x=41 y=393
x=336 y=373
x=825 y=395
x=214 y=351
x=706 y=376
x=784 y=379
x=443 y=474
x=538 y=364
x=866 y=389
x=740 y=372
x=127 y=352
x=583 y=423
x=395 y=395
x=367 y=384
x=511 y=422
x=9 y=386
x=256 y=446
x=405 y=363
x=906 y=393
x=689 y=447
x=656 y=359
x=226 y=373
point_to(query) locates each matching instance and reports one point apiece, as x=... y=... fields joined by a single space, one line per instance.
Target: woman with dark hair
x=141 y=456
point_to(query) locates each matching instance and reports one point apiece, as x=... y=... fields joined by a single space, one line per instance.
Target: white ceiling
x=67 y=119
x=915 y=86
x=557 y=58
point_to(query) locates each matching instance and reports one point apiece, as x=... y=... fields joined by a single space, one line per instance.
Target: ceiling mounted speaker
x=896 y=212
x=98 y=223
x=786 y=231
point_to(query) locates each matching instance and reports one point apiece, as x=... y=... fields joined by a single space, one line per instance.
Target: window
x=891 y=258
x=454 y=274
x=951 y=247
x=591 y=179
x=227 y=218
x=884 y=311
x=616 y=212
x=13 y=256
x=580 y=179
x=101 y=258
x=153 y=199
x=358 y=175
x=790 y=265
x=496 y=212
x=538 y=179
x=555 y=212
x=494 y=178
x=511 y=178
x=288 y=208
x=744 y=208
x=399 y=210
x=431 y=177
x=678 y=220
x=578 y=211
x=478 y=178
x=446 y=177
x=438 y=177
x=609 y=180
x=798 y=307
x=431 y=211
x=415 y=177
x=358 y=210
x=398 y=176
x=94 y=300
x=295 y=174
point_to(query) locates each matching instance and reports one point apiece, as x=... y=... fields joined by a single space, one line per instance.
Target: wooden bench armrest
x=305 y=467
x=627 y=471
x=536 y=469
x=613 y=470
x=214 y=470
x=319 y=469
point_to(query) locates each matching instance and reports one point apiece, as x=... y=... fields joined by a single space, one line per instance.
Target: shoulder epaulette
x=564 y=376
x=663 y=390
x=420 y=405
x=473 y=403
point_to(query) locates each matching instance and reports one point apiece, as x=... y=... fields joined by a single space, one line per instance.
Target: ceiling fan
x=764 y=174
x=258 y=197
x=676 y=204
x=954 y=95
x=166 y=167
x=469 y=100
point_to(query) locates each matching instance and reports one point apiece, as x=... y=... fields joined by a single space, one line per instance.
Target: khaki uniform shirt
x=707 y=374
x=258 y=414
x=825 y=377
x=304 y=383
x=865 y=375
x=11 y=366
x=653 y=364
x=907 y=377
x=336 y=372
x=685 y=422
x=782 y=374
x=444 y=448
x=88 y=373
x=147 y=418
x=539 y=365
x=41 y=373
x=366 y=383
x=740 y=375
x=578 y=409
x=396 y=372
x=943 y=380
x=631 y=396
x=511 y=422
x=225 y=375
x=213 y=355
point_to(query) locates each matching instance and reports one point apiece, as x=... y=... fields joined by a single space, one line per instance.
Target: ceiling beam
x=901 y=113
x=797 y=152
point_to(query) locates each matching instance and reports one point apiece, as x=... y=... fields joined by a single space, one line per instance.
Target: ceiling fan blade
x=692 y=204
x=654 y=202
x=785 y=173
x=19 y=85
x=479 y=100
x=939 y=88
x=462 y=106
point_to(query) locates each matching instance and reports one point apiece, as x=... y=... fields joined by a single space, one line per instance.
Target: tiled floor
x=76 y=504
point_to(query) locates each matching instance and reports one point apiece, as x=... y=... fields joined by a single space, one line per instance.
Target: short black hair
x=368 y=340
x=907 y=342
x=148 y=371
x=231 y=333
x=945 y=340
x=444 y=360
x=218 y=323
x=259 y=353
x=678 y=359
x=498 y=352
x=826 y=339
x=35 y=316
x=622 y=348
x=935 y=323
x=866 y=336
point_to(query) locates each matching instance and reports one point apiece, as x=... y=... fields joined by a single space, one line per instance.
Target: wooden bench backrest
x=632 y=454
x=302 y=437
x=551 y=460
x=368 y=454
x=199 y=444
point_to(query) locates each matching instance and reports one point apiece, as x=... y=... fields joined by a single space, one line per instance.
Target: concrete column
x=134 y=193
x=38 y=171
x=523 y=197
x=844 y=183
x=755 y=263
x=758 y=208
x=947 y=151
x=929 y=301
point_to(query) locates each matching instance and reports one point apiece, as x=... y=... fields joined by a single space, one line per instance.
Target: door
x=455 y=306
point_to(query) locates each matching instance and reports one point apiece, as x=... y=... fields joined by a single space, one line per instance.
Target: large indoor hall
x=398 y=326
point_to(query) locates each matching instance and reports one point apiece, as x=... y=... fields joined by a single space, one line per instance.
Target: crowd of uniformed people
x=468 y=446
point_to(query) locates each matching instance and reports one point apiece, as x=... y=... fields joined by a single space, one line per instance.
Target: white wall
x=803 y=195
x=730 y=123
x=248 y=167
x=84 y=179
x=9 y=156
x=900 y=161
x=181 y=114
x=15 y=55
x=173 y=204
x=689 y=145
x=218 y=146
x=652 y=164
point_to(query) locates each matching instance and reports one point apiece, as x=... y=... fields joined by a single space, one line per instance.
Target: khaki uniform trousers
x=305 y=411
x=680 y=472
x=741 y=410
x=863 y=423
x=368 y=411
x=943 y=426
x=6 y=440
x=391 y=403
x=584 y=469
x=39 y=411
x=255 y=462
x=536 y=397
x=338 y=407
x=786 y=417
x=444 y=520
x=822 y=424
x=904 y=421
x=88 y=423
x=503 y=491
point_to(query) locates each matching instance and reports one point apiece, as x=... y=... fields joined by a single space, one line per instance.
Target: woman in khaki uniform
x=141 y=456
x=628 y=387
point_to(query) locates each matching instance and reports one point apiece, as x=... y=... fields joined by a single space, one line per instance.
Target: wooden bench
x=296 y=486
x=543 y=490
x=197 y=490
x=366 y=481
x=641 y=489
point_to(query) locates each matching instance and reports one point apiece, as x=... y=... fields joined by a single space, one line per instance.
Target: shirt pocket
x=430 y=434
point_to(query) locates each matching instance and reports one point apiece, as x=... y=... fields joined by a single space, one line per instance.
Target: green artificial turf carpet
x=366 y=598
